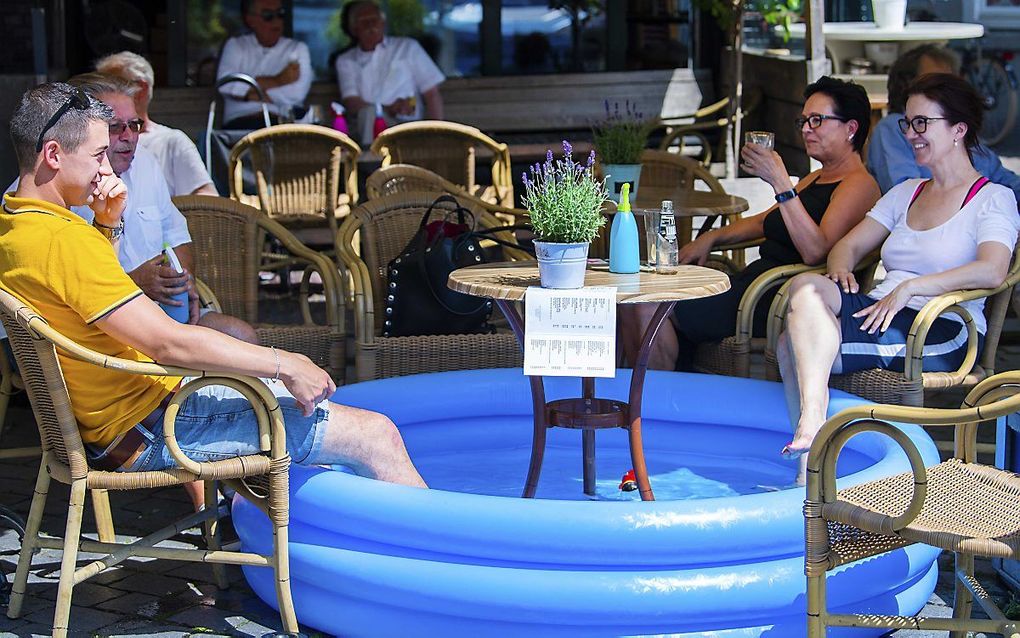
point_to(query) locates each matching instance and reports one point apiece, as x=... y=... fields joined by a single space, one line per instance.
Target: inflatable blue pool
x=720 y=553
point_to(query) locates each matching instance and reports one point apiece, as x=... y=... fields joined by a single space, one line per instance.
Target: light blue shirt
x=891 y=160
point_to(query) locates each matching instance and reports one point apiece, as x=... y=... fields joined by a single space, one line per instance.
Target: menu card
x=570 y=333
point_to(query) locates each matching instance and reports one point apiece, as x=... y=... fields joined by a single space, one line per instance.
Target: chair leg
x=104 y=517
x=28 y=544
x=72 y=537
x=281 y=570
x=212 y=533
x=963 y=601
x=816 y=606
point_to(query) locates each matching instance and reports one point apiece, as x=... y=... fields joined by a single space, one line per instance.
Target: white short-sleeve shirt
x=244 y=54
x=396 y=68
x=177 y=155
x=991 y=215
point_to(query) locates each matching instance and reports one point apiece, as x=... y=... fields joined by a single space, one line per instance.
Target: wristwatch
x=786 y=196
x=110 y=232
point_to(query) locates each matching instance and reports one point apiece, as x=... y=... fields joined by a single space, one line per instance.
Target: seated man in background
x=67 y=269
x=182 y=165
x=890 y=156
x=281 y=66
x=379 y=69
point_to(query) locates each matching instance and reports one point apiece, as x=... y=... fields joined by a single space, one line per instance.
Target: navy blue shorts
x=944 y=349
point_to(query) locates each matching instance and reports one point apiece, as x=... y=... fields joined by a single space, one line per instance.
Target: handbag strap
x=460 y=210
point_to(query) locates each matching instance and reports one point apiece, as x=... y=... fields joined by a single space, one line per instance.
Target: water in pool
x=491 y=458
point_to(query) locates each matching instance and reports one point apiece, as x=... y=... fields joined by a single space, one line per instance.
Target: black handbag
x=418 y=301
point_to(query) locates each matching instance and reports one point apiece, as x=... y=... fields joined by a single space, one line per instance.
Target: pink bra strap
x=978 y=185
x=917 y=192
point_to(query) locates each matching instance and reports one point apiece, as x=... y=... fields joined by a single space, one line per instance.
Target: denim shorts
x=218 y=423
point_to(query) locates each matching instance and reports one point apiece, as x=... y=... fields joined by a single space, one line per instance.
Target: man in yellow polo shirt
x=67 y=270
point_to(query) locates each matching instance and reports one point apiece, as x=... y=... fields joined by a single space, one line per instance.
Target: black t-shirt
x=778 y=246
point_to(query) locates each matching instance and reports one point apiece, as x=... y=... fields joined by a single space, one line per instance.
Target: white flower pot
x=890 y=15
x=561 y=265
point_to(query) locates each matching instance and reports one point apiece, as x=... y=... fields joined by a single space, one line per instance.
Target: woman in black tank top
x=801 y=227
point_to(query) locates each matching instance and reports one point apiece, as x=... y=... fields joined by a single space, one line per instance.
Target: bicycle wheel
x=991 y=80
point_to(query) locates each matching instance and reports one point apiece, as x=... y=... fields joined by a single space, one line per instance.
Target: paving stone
x=83 y=619
x=87 y=594
x=154 y=584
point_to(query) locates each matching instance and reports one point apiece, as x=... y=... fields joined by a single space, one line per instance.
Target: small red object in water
x=629 y=482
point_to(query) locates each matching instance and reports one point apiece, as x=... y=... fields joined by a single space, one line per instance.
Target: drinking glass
x=651 y=219
x=766 y=139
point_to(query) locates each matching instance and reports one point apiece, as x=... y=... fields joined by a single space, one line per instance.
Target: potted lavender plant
x=619 y=140
x=564 y=199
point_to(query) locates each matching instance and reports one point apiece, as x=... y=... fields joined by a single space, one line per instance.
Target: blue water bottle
x=624 y=255
x=177 y=313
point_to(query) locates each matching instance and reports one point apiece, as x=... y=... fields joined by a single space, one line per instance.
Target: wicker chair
x=907 y=388
x=386 y=226
x=711 y=119
x=64 y=459
x=306 y=177
x=450 y=150
x=226 y=236
x=404 y=178
x=958 y=505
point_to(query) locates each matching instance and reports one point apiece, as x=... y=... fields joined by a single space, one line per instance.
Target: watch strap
x=786 y=196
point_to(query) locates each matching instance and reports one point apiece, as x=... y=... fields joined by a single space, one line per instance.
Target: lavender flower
x=564 y=198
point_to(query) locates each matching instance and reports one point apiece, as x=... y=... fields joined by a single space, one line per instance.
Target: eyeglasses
x=268 y=15
x=918 y=123
x=77 y=100
x=815 y=120
x=117 y=128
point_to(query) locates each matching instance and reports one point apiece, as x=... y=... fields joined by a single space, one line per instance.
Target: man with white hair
x=182 y=165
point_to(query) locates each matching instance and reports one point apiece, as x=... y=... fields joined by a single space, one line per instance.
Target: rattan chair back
x=40 y=372
x=385 y=226
x=226 y=238
x=406 y=178
x=303 y=172
x=450 y=150
x=660 y=169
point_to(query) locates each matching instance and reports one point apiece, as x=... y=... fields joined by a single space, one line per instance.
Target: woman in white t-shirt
x=955 y=231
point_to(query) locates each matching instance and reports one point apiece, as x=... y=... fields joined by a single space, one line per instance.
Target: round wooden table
x=507 y=283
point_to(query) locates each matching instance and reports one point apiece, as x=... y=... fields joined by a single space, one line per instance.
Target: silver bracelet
x=276 y=377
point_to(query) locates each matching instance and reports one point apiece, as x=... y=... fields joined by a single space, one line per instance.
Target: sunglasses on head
x=268 y=15
x=117 y=127
x=78 y=100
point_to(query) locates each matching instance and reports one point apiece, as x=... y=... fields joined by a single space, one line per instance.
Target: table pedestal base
x=589 y=413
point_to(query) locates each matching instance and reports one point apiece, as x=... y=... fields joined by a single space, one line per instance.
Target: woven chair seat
x=723 y=357
x=969 y=508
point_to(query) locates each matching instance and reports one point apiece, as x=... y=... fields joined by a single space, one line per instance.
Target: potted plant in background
x=564 y=200
x=619 y=140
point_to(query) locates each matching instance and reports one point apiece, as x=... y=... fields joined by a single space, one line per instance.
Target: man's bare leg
x=370 y=444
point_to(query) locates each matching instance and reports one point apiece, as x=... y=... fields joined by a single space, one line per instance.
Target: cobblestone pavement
x=167 y=599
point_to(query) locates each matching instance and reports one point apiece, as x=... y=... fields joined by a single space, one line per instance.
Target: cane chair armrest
x=364 y=299
x=272 y=437
x=761 y=285
x=206 y=297
x=740 y=245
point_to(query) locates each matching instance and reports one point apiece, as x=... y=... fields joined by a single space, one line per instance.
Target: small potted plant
x=619 y=140
x=564 y=200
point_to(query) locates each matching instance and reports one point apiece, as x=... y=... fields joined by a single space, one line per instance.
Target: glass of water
x=651 y=220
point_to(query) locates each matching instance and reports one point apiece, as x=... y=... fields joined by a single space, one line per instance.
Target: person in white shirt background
x=182 y=165
x=379 y=69
x=281 y=66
